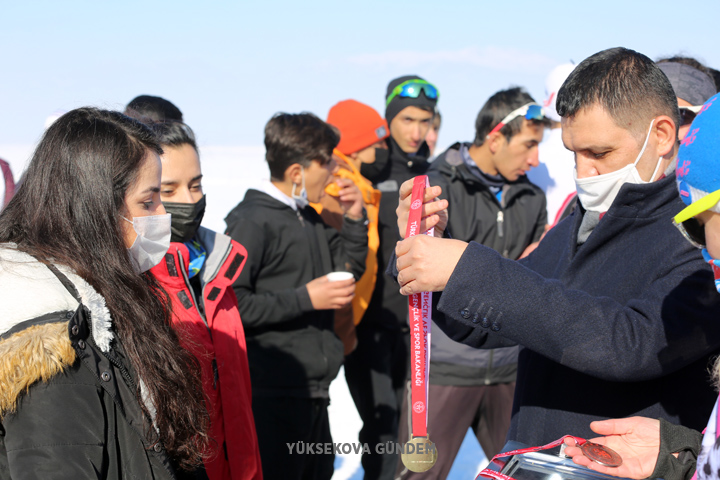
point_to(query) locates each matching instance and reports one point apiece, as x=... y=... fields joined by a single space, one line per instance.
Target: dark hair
x=690 y=62
x=498 y=107
x=437 y=119
x=68 y=211
x=297 y=138
x=174 y=134
x=154 y=109
x=627 y=84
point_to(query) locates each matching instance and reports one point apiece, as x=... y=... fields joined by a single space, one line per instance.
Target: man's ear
x=666 y=133
x=294 y=173
x=495 y=141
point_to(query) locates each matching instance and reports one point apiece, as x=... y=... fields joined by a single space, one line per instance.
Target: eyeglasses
x=688 y=114
x=692 y=231
x=412 y=89
x=531 y=111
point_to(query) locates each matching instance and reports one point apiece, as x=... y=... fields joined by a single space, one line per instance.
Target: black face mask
x=185 y=220
x=373 y=171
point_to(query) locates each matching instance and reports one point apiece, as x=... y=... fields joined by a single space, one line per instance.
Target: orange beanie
x=360 y=125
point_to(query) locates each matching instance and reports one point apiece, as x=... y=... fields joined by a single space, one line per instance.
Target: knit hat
x=553 y=82
x=398 y=103
x=360 y=125
x=698 y=165
x=689 y=83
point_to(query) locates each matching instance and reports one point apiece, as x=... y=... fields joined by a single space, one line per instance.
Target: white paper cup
x=338 y=276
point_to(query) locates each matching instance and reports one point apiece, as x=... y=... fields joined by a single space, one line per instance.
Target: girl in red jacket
x=198 y=272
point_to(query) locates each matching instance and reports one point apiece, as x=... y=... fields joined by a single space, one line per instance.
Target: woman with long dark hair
x=93 y=381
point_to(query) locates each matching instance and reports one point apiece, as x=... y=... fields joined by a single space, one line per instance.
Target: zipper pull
x=216 y=374
x=500 y=220
x=302 y=220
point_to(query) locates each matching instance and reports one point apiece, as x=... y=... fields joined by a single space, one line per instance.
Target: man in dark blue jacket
x=615 y=310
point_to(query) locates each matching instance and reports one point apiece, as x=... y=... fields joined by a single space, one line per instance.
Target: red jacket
x=218 y=342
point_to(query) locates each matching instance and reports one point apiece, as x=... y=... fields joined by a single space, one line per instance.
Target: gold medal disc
x=419 y=454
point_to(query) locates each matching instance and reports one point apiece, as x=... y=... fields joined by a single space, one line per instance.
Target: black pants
x=376 y=372
x=280 y=421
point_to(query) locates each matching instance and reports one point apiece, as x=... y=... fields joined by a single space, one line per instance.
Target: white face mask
x=597 y=193
x=152 y=242
x=301 y=198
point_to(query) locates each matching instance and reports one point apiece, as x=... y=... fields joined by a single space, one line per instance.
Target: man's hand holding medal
x=425 y=263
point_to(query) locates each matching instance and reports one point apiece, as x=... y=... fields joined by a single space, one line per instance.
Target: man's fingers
x=409 y=288
x=406 y=189
x=431 y=193
x=428 y=195
x=402 y=248
x=434 y=207
x=429 y=222
x=613 y=426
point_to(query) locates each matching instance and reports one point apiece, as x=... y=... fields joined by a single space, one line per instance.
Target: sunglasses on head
x=531 y=111
x=692 y=231
x=412 y=89
x=688 y=114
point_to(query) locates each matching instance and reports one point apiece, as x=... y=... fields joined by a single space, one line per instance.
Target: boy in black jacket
x=284 y=297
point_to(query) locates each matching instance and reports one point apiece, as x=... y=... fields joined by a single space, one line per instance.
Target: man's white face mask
x=597 y=193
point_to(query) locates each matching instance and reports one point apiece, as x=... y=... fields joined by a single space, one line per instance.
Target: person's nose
x=185 y=197
x=534 y=158
x=585 y=167
x=417 y=134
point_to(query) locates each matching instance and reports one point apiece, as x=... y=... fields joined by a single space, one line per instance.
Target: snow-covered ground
x=227 y=173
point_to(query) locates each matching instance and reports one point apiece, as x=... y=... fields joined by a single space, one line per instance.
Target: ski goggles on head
x=692 y=231
x=531 y=111
x=412 y=89
x=688 y=225
x=688 y=114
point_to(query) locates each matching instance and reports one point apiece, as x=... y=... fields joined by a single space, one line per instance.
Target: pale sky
x=230 y=65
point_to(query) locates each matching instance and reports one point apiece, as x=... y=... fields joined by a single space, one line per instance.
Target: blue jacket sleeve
x=671 y=324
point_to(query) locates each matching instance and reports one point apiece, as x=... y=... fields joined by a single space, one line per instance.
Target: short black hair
x=154 y=109
x=498 y=107
x=174 y=134
x=627 y=84
x=297 y=138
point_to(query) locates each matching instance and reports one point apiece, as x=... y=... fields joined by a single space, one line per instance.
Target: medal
x=601 y=454
x=419 y=454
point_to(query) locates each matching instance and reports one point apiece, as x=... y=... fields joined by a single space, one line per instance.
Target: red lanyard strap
x=500 y=476
x=419 y=310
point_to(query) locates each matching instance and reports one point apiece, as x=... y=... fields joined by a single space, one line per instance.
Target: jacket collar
x=418 y=162
x=217 y=247
x=452 y=165
x=649 y=200
x=28 y=290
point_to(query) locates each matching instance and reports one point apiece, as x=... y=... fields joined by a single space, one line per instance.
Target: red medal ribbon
x=499 y=476
x=420 y=304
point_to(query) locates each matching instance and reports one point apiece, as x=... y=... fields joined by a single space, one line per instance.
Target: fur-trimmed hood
x=34 y=340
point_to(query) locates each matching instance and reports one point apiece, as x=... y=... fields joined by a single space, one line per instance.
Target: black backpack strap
x=66 y=282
